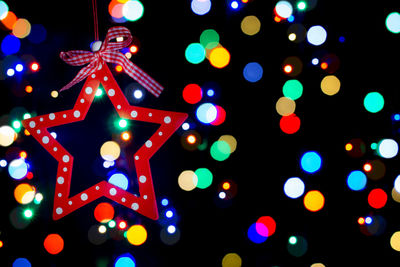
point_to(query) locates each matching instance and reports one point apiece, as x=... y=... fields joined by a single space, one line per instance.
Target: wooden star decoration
x=145 y=203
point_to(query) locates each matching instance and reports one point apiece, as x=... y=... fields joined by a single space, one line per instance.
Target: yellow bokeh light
x=285 y=106
x=219 y=57
x=395 y=241
x=292 y=36
x=231 y=260
x=250 y=25
x=7 y=135
x=24 y=193
x=110 y=151
x=330 y=85
x=187 y=180
x=314 y=200
x=230 y=140
x=136 y=235
x=348 y=147
x=395 y=195
x=54 y=94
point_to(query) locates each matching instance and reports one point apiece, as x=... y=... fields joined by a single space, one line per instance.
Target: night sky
x=348 y=230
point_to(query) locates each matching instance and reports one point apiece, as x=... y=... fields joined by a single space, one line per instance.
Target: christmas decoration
x=96 y=73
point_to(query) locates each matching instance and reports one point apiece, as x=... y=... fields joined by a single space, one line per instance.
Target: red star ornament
x=145 y=203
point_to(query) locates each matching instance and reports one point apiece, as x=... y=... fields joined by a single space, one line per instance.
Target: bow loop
x=109 y=53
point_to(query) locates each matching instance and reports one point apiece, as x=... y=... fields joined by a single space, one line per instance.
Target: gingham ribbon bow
x=109 y=53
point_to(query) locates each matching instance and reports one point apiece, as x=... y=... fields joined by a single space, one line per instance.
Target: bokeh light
x=316 y=35
x=110 y=151
x=3 y=10
x=292 y=89
x=356 y=180
x=195 y=53
x=311 y=162
x=7 y=135
x=392 y=22
x=119 y=179
x=187 y=180
x=136 y=235
x=132 y=10
x=285 y=106
x=297 y=246
x=219 y=57
x=21 y=28
x=18 y=168
x=21 y=262
x=314 y=200
x=206 y=113
x=294 y=187
x=204 y=178
x=330 y=85
x=200 y=7
x=290 y=124
x=53 y=243
x=231 y=260
x=209 y=39
x=374 y=102
x=192 y=93
x=24 y=193
x=388 y=148
x=266 y=226
x=377 y=198
x=104 y=212
x=283 y=9
x=395 y=241
x=253 y=72
x=230 y=140
x=10 y=44
x=125 y=260
x=250 y=25
x=254 y=236
x=220 y=150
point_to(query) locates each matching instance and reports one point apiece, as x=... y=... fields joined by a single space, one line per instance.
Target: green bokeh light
x=292 y=89
x=220 y=150
x=374 y=102
x=209 y=38
x=205 y=178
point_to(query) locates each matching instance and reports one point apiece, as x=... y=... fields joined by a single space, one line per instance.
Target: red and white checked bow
x=109 y=53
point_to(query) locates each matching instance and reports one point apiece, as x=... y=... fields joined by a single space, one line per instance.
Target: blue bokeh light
x=120 y=180
x=356 y=180
x=254 y=236
x=253 y=72
x=311 y=162
x=10 y=45
x=125 y=260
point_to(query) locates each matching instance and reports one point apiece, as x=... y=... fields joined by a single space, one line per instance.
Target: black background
x=265 y=156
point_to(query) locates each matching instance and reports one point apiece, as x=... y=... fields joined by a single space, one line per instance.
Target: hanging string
x=95 y=21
